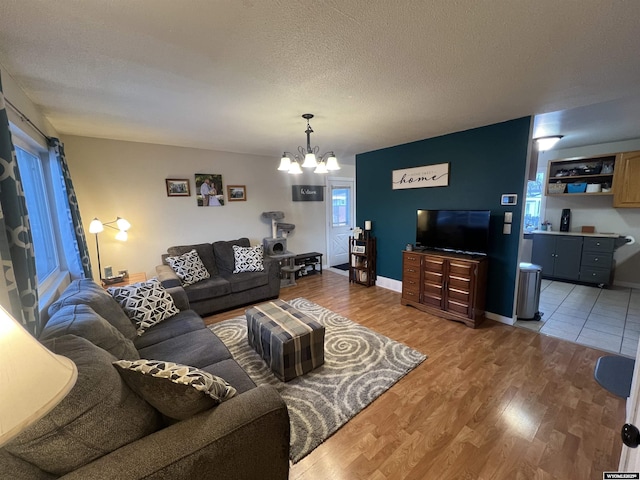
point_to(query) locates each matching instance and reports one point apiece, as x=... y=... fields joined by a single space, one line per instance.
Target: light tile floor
x=606 y=319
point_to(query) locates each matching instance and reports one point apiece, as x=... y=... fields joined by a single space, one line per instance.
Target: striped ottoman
x=289 y=341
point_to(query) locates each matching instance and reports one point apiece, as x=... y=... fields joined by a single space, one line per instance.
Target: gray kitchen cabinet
x=576 y=258
x=558 y=255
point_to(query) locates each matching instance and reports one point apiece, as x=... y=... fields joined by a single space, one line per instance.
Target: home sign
x=420 y=177
x=307 y=193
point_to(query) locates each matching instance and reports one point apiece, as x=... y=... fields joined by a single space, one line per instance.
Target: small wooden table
x=132 y=278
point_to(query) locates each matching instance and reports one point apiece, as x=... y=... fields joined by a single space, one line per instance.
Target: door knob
x=630 y=435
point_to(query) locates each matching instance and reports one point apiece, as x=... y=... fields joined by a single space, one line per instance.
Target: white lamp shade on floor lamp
x=33 y=380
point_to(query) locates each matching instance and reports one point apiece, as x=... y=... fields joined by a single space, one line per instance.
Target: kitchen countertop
x=577 y=234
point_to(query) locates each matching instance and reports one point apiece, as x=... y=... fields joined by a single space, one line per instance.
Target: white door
x=630 y=457
x=340 y=217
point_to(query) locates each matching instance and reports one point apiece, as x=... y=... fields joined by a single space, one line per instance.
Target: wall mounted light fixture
x=290 y=162
x=545 y=143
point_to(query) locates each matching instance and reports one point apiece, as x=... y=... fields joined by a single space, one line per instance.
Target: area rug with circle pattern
x=359 y=366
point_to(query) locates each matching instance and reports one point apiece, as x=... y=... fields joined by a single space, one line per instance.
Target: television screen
x=465 y=231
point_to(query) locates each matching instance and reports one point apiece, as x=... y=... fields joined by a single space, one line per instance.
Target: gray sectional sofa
x=224 y=289
x=103 y=430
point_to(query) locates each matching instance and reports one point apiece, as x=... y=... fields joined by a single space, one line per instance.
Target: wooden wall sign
x=420 y=177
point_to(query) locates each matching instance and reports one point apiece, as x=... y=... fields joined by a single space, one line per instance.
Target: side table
x=132 y=278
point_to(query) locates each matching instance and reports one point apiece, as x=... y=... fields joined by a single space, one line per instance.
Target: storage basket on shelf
x=576 y=187
x=557 y=187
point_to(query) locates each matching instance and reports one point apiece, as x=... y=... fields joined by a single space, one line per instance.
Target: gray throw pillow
x=82 y=321
x=99 y=415
x=177 y=391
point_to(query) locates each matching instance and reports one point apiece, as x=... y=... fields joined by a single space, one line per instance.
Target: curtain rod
x=26 y=119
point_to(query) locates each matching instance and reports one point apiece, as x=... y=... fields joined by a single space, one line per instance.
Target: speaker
x=274 y=246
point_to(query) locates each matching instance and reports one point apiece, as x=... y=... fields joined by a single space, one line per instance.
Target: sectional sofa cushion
x=146 y=303
x=82 y=321
x=185 y=321
x=205 y=252
x=197 y=348
x=224 y=253
x=188 y=267
x=99 y=415
x=86 y=292
x=175 y=390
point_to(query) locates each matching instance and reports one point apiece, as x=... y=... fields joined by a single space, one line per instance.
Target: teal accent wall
x=484 y=163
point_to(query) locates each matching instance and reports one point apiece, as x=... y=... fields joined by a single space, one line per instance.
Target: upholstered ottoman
x=289 y=341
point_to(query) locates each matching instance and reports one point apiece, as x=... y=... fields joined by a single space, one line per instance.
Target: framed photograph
x=358 y=249
x=237 y=193
x=209 y=190
x=178 y=187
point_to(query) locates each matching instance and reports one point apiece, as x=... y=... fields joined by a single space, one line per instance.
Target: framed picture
x=237 y=193
x=178 y=187
x=358 y=249
x=209 y=190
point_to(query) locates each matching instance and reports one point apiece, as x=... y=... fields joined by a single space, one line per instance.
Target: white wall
x=599 y=212
x=115 y=178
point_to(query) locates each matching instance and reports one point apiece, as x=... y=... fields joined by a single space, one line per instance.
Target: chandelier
x=290 y=162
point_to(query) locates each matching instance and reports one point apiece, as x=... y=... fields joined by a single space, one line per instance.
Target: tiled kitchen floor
x=606 y=319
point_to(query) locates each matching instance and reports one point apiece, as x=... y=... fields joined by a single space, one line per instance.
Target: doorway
x=340 y=219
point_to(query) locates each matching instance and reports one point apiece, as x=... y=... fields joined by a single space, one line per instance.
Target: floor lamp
x=34 y=380
x=96 y=226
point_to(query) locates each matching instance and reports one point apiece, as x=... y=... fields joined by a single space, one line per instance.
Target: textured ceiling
x=236 y=75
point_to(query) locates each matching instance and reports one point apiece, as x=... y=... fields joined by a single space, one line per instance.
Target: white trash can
x=529 y=292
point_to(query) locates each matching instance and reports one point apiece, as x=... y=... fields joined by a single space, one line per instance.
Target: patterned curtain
x=72 y=210
x=18 y=276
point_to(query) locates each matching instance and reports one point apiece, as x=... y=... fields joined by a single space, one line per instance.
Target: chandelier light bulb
x=285 y=163
x=332 y=162
x=310 y=160
x=321 y=168
x=295 y=169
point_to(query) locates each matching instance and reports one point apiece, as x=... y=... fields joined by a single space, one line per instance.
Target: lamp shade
x=285 y=163
x=122 y=236
x=34 y=380
x=310 y=160
x=321 y=168
x=122 y=224
x=96 y=226
x=295 y=168
x=332 y=163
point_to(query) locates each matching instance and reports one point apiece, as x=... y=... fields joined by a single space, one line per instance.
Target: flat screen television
x=464 y=231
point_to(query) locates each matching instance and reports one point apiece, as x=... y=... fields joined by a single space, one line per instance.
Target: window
x=533 y=206
x=35 y=190
x=340 y=208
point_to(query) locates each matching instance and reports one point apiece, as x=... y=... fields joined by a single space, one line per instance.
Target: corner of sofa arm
x=171 y=282
x=245 y=437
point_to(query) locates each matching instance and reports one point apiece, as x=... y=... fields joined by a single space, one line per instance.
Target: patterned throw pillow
x=177 y=391
x=188 y=267
x=248 y=259
x=146 y=303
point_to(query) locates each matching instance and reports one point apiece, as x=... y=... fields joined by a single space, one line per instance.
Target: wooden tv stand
x=448 y=285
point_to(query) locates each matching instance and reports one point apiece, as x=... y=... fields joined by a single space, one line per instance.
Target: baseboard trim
x=396 y=286
x=389 y=283
x=627 y=284
x=499 y=318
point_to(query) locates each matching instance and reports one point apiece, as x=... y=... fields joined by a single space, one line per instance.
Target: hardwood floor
x=497 y=402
